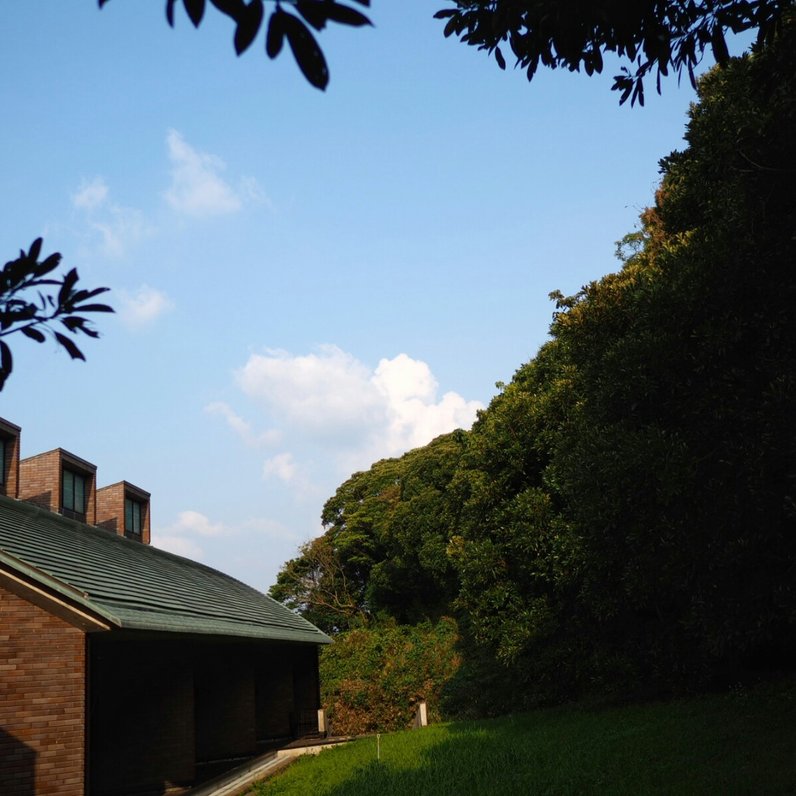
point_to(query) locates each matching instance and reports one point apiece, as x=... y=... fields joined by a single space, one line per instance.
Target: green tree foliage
x=654 y=36
x=622 y=517
x=316 y=584
x=28 y=307
x=509 y=549
x=642 y=526
x=372 y=678
x=678 y=469
x=384 y=550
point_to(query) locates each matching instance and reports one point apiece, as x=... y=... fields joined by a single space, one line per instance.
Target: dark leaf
x=345 y=15
x=499 y=58
x=102 y=3
x=95 y=308
x=78 y=296
x=35 y=250
x=65 y=293
x=276 y=33
x=306 y=51
x=195 y=9
x=450 y=27
x=248 y=26
x=232 y=8
x=33 y=333
x=638 y=93
x=47 y=265
x=91 y=293
x=77 y=324
x=598 y=60
x=73 y=322
x=314 y=11
x=720 y=52
x=6 y=363
x=69 y=345
x=170 y=12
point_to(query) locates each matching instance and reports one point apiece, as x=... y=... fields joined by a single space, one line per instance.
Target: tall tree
x=678 y=467
x=384 y=550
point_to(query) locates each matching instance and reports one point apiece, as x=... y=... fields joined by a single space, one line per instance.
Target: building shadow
x=18 y=773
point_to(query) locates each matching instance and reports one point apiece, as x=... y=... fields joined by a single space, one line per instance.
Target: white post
x=421 y=714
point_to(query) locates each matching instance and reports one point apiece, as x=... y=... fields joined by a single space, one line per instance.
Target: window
x=133 y=516
x=73 y=495
x=2 y=462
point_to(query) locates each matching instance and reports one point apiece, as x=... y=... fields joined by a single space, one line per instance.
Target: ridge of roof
x=137 y=586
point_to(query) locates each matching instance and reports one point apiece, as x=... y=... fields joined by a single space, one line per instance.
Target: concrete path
x=240 y=780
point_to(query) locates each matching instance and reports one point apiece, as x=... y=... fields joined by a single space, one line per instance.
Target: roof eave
x=53 y=595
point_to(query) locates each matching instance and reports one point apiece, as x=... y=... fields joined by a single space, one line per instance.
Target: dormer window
x=133 y=516
x=124 y=509
x=73 y=495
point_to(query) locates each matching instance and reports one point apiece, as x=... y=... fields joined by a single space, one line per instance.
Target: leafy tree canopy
x=654 y=36
x=623 y=513
x=384 y=550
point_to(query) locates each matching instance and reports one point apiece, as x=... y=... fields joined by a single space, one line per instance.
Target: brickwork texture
x=42 y=702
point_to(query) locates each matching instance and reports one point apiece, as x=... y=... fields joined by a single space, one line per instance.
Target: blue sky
x=305 y=281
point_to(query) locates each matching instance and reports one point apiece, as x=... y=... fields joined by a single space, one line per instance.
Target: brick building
x=125 y=669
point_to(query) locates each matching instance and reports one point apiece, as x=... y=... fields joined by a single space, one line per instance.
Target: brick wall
x=110 y=508
x=40 y=480
x=42 y=702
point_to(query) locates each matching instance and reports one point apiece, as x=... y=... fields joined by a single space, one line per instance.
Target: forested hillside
x=621 y=519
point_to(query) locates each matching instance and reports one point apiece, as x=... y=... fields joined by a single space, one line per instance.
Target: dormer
x=9 y=458
x=124 y=509
x=62 y=482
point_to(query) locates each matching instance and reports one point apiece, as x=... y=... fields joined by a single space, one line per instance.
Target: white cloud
x=181 y=536
x=122 y=227
x=242 y=427
x=115 y=228
x=415 y=415
x=280 y=466
x=178 y=545
x=332 y=399
x=91 y=194
x=197 y=187
x=271 y=529
x=144 y=306
x=195 y=523
x=193 y=535
x=328 y=395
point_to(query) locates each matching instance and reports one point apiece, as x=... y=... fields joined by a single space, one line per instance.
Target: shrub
x=372 y=678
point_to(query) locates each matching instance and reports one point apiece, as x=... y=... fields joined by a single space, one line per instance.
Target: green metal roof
x=136 y=586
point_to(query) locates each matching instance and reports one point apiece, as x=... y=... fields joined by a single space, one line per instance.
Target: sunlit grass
x=740 y=743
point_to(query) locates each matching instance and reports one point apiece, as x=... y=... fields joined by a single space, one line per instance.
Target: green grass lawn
x=744 y=742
